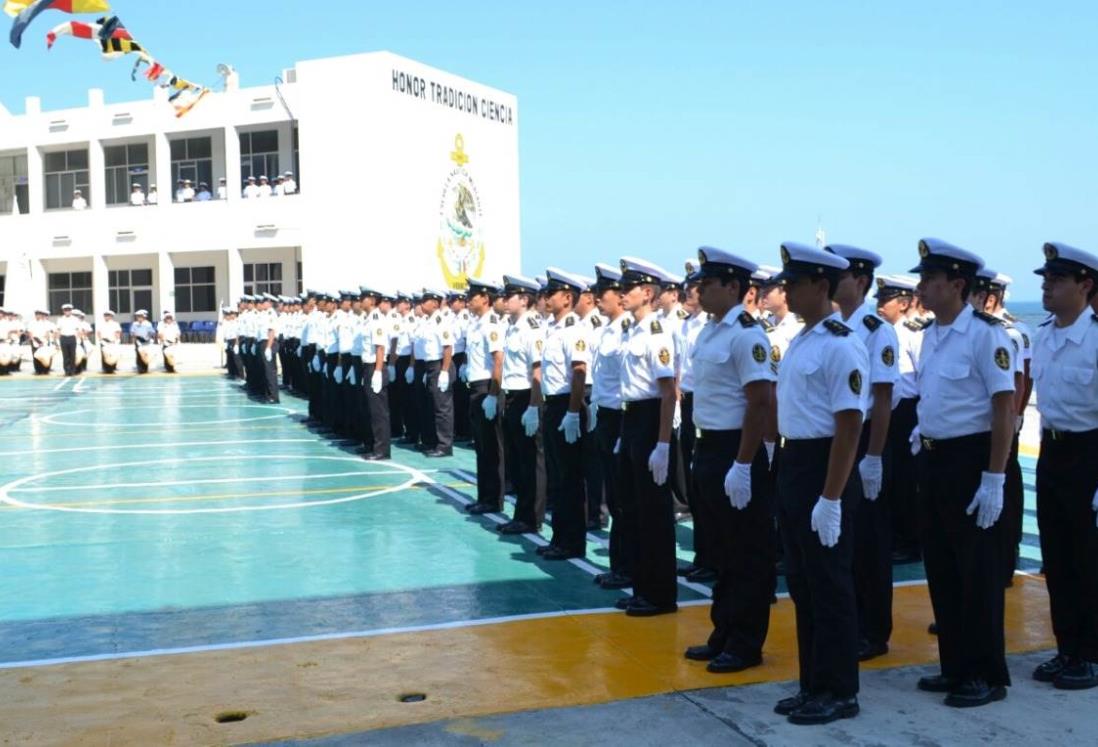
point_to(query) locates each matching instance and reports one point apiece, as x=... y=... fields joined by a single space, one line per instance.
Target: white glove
x=443 y=381
x=737 y=485
x=592 y=417
x=338 y=374
x=376 y=382
x=989 y=499
x=676 y=419
x=771 y=447
x=489 y=406
x=1094 y=505
x=409 y=376
x=392 y=373
x=570 y=426
x=236 y=349
x=351 y=376
x=872 y=471
x=299 y=349
x=425 y=378
x=916 y=441
x=463 y=372
x=324 y=372
x=267 y=354
x=617 y=446
x=658 y=461
x=530 y=421
x=1018 y=419
x=316 y=363
x=827 y=521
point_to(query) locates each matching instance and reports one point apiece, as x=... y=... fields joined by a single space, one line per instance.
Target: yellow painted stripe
x=314 y=689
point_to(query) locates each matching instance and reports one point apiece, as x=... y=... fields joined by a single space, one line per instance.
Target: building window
x=1 y=291
x=264 y=277
x=300 y=282
x=127 y=165
x=130 y=290
x=297 y=171
x=70 y=287
x=14 y=189
x=66 y=172
x=194 y=289
x=259 y=154
x=192 y=158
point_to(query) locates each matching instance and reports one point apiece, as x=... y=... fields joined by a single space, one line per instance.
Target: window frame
x=66 y=180
x=185 y=289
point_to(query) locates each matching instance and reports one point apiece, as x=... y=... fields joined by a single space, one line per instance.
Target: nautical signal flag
x=25 y=11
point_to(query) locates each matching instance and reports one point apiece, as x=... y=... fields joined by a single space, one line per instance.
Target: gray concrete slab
x=893 y=713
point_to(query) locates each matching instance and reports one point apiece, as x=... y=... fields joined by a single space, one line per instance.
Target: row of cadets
x=592 y=321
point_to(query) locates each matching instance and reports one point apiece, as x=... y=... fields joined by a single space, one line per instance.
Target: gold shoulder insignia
x=836 y=328
x=656 y=327
x=871 y=322
x=746 y=320
x=682 y=313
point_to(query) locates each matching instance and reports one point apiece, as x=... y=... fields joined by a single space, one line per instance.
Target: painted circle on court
x=56 y=419
x=382 y=468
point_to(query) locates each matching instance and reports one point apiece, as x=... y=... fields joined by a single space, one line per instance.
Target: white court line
x=50 y=419
x=61 y=384
x=595 y=539
x=79 y=384
x=172 y=445
x=211 y=480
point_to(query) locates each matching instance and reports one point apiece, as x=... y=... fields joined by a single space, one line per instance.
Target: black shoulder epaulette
x=682 y=313
x=1009 y=317
x=987 y=318
x=836 y=328
x=492 y=318
x=767 y=326
x=532 y=322
x=799 y=318
x=1048 y=321
x=438 y=319
x=913 y=325
x=656 y=327
x=871 y=322
x=746 y=320
x=1094 y=317
x=569 y=321
x=596 y=321
x=626 y=324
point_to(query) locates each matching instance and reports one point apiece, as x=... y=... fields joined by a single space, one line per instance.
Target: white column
x=285 y=148
x=236 y=275
x=165 y=284
x=97 y=175
x=100 y=286
x=232 y=173
x=36 y=182
x=162 y=174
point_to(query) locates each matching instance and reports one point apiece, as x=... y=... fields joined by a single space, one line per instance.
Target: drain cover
x=230 y=717
x=412 y=698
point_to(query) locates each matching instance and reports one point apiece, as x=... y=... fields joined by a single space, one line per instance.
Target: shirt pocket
x=1077 y=375
x=637 y=348
x=955 y=371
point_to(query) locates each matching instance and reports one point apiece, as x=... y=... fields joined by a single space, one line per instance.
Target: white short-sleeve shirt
x=727 y=356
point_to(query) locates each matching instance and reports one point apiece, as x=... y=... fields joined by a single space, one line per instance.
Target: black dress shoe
x=641 y=607
x=973 y=693
x=375 y=457
x=704 y=652
x=727 y=663
x=515 y=527
x=542 y=549
x=786 y=706
x=1077 y=675
x=559 y=553
x=624 y=602
x=1048 y=671
x=602 y=577
x=869 y=650
x=435 y=453
x=701 y=575
x=937 y=683
x=684 y=569
x=932 y=628
x=479 y=509
x=616 y=580
x=823 y=709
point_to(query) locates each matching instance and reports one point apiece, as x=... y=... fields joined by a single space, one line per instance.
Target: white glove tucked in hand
x=409 y=375
x=617 y=450
x=827 y=521
x=592 y=417
x=872 y=471
x=299 y=349
x=676 y=419
x=658 y=462
x=351 y=376
x=530 y=421
x=1094 y=505
x=489 y=404
x=771 y=447
x=316 y=363
x=267 y=354
x=392 y=373
x=463 y=372
x=1018 y=421
x=570 y=426
x=916 y=441
x=737 y=485
x=337 y=374
x=443 y=381
x=376 y=382
x=988 y=502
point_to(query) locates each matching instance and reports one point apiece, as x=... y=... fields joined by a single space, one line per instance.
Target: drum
x=169 y=356
x=44 y=356
x=5 y=355
x=145 y=353
x=110 y=354
x=81 y=355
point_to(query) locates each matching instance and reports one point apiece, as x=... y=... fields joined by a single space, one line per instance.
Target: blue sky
x=651 y=128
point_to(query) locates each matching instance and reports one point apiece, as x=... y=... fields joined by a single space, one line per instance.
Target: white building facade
x=407 y=176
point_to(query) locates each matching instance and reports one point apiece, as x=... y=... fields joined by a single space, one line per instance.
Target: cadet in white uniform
x=458 y=317
x=433 y=353
x=267 y=340
x=1065 y=368
x=484 y=356
x=406 y=423
x=522 y=343
x=731 y=383
x=966 y=421
x=604 y=418
x=374 y=370
x=873 y=524
x=822 y=388
x=168 y=335
x=648 y=404
x=565 y=356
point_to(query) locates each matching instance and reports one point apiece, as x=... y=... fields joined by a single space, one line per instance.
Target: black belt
x=930 y=444
x=640 y=404
x=558 y=397
x=1054 y=435
x=701 y=433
